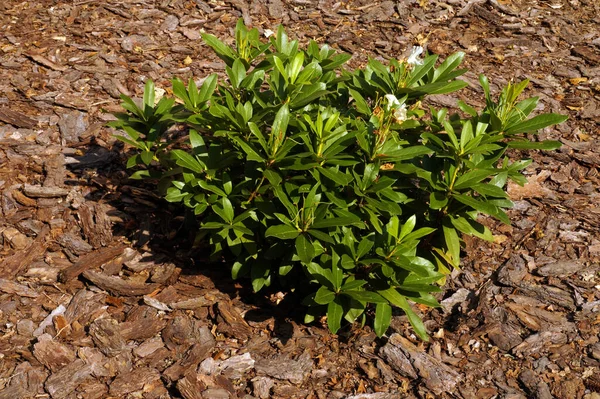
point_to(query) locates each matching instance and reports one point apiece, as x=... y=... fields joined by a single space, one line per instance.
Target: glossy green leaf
x=365 y=296
x=282 y=231
x=399 y=300
x=383 y=318
x=187 y=161
x=304 y=248
x=535 y=145
x=452 y=243
x=335 y=312
x=324 y=296
x=536 y=123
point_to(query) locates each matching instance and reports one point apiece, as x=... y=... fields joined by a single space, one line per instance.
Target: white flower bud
x=413 y=58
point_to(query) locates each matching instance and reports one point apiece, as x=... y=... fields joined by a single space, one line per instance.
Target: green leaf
x=438 y=200
x=147 y=157
x=309 y=94
x=407 y=227
x=239 y=269
x=281 y=121
x=228 y=209
x=399 y=300
x=448 y=65
x=365 y=296
x=272 y=176
x=489 y=190
x=196 y=140
x=472 y=177
x=336 y=176
x=319 y=235
x=336 y=222
x=536 y=123
x=482 y=206
x=383 y=318
x=223 y=52
x=353 y=285
x=421 y=70
x=408 y=153
x=323 y=276
x=187 y=161
x=535 y=145
x=364 y=247
x=452 y=243
x=212 y=188
x=335 y=312
x=282 y=231
x=208 y=88
x=324 y=296
x=259 y=273
x=471 y=227
x=304 y=248
x=251 y=153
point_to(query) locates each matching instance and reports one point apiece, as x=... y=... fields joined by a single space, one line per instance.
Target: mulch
x=102 y=294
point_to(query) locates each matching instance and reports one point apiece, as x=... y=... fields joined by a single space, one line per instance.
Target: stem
x=255 y=192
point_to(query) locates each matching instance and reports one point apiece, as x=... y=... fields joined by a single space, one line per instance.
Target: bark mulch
x=103 y=296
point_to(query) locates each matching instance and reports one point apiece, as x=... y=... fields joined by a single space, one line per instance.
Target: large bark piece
x=107 y=336
x=141 y=379
x=92 y=260
x=96 y=224
x=436 y=376
x=232 y=323
x=143 y=322
x=52 y=354
x=60 y=384
x=117 y=285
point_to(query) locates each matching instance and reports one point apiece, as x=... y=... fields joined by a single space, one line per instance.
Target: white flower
x=268 y=32
x=400 y=113
x=399 y=109
x=158 y=94
x=392 y=102
x=413 y=58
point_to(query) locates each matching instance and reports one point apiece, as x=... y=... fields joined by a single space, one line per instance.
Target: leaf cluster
x=336 y=183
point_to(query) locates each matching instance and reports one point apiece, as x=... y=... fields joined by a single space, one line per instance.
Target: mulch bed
x=103 y=296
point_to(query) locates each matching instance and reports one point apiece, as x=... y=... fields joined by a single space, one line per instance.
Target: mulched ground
x=102 y=297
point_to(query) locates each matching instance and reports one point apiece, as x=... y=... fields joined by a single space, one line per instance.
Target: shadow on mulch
x=166 y=232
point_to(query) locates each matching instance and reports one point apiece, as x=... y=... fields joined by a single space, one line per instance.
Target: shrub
x=336 y=183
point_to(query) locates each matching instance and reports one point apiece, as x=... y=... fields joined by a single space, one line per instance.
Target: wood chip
x=13 y=265
x=190 y=388
x=192 y=358
x=142 y=322
x=107 y=336
x=96 y=224
x=10 y=287
x=52 y=354
x=46 y=62
x=437 y=376
x=92 y=260
x=16 y=118
x=232 y=323
x=60 y=384
x=44 y=192
x=140 y=379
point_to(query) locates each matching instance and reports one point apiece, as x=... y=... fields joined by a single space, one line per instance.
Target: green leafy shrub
x=335 y=182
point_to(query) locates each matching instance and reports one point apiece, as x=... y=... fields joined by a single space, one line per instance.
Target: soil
x=102 y=295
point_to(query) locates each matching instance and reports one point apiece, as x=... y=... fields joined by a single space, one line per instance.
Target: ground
x=101 y=294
